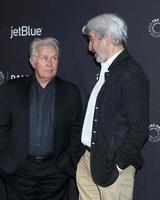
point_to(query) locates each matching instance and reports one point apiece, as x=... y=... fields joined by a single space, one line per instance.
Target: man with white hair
x=115 y=126
x=40 y=128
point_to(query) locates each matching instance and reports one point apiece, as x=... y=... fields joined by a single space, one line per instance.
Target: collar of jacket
x=123 y=55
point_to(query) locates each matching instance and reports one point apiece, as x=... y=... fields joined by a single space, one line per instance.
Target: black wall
x=64 y=20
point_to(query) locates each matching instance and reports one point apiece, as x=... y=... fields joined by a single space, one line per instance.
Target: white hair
x=49 y=41
x=108 y=24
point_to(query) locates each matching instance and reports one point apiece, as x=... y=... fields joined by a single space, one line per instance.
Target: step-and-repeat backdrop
x=21 y=21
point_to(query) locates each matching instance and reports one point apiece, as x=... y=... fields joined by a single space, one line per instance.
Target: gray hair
x=108 y=24
x=48 y=41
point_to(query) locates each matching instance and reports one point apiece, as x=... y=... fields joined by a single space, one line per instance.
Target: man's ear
x=108 y=39
x=32 y=61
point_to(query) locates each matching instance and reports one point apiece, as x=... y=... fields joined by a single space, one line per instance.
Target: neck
x=114 y=49
x=43 y=85
x=43 y=82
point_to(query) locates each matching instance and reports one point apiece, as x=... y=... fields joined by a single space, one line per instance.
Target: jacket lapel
x=58 y=102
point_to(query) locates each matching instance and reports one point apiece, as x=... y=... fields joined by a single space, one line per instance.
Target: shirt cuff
x=119 y=169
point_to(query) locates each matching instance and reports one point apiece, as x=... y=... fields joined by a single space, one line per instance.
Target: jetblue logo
x=24 y=31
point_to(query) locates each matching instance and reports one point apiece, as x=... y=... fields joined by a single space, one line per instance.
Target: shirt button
x=97 y=76
x=93 y=143
x=94 y=131
x=96 y=107
x=95 y=120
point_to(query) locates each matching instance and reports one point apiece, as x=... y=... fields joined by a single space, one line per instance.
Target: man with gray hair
x=115 y=126
x=40 y=128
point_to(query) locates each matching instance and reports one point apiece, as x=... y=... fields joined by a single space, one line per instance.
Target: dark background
x=64 y=21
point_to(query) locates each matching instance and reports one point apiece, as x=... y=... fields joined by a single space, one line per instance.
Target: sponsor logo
x=25 y=31
x=7 y=76
x=154 y=28
x=154 y=133
x=13 y=76
x=1 y=78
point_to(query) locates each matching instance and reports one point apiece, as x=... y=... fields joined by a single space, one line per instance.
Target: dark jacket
x=121 y=121
x=14 y=125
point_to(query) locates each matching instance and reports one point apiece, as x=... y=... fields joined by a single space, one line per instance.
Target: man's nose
x=49 y=62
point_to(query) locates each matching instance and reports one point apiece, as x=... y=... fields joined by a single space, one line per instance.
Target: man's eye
x=55 y=57
x=42 y=57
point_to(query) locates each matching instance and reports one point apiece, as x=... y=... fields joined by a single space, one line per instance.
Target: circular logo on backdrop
x=154 y=133
x=1 y=77
x=154 y=28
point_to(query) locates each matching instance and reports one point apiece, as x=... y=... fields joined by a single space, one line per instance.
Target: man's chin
x=99 y=60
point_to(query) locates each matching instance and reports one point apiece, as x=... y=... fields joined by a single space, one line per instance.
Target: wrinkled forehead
x=46 y=49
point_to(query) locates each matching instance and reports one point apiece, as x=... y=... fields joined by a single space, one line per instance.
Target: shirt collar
x=34 y=82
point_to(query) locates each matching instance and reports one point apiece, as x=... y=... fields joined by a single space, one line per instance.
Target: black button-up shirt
x=42 y=105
